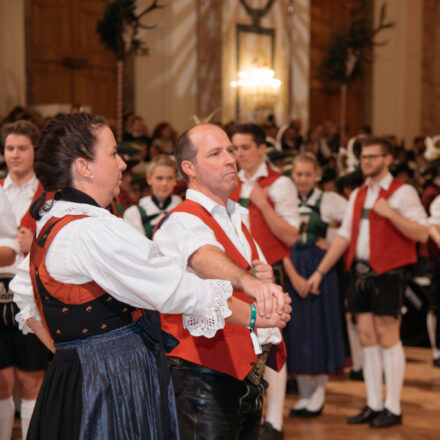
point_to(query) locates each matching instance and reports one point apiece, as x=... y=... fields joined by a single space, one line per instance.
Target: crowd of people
x=149 y=275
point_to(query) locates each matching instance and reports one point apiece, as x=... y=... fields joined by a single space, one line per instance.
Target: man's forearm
x=284 y=231
x=211 y=262
x=334 y=253
x=409 y=228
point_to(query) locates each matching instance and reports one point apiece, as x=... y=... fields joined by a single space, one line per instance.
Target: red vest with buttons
x=389 y=248
x=230 y=351
x=72 y=311
x=273 y=249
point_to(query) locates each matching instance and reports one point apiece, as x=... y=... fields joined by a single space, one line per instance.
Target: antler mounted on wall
x=257 y=13
x=120 y=25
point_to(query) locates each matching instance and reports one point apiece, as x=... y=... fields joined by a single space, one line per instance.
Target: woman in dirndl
x=314 y=338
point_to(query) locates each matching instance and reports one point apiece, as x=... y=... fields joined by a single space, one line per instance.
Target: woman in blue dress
x=314 y=337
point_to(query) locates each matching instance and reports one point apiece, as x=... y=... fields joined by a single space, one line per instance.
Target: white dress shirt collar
x=60 y=208
x=212 y=207
x=261 y=172
x=32 y=183
x=384 y=183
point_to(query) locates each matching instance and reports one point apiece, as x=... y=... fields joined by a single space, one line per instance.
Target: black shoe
x=309 y=414
x=356 y=375
x=268 y=432
x=292 y=386
x=296 y=412
x=436 y=362
x=386 y=418
x=365 y=416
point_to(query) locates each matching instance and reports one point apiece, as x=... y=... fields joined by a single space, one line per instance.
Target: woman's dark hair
x=65 y=139
x=159 y=128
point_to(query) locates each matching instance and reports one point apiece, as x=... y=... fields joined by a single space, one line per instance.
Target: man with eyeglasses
x=383 y=222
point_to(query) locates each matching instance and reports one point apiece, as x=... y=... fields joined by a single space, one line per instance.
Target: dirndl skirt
x=313 y=337
x=108 y=386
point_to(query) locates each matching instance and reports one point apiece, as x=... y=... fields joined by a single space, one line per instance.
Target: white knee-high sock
x=26 y=410
x=275 y=396
x=305 y=390
x=431 y=326
x=7 y=410
x=355 y=346
x=317 y=399
x=373 y=376
x=394 y=364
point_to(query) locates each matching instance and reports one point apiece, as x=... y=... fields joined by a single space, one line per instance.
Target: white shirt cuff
x=28 y=311
x=213 y=317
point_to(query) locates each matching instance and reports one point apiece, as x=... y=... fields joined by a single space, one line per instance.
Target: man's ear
x=389 y=159
x=262 y=148
x=188 y=168
x=81 y=166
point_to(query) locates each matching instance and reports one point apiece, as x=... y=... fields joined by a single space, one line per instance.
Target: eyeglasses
x=371 y=156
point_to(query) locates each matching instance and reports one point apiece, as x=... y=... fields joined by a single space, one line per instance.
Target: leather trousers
x=215 y=406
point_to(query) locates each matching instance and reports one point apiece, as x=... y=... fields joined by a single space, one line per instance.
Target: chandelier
x=258 y=86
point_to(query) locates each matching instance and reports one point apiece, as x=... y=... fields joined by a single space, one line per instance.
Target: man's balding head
x=205 y=157
x=187 y=144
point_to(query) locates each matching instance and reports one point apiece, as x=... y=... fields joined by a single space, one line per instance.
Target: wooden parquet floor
x=420 y=407
x=345 y=398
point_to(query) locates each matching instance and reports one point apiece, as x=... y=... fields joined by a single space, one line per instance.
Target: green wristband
x=253 y=316
x=320 y=272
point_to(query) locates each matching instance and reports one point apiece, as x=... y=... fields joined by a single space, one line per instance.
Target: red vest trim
x=27 y=221
x=389 y=248
x=273 y=249
x=70 y=294
x=230 y=351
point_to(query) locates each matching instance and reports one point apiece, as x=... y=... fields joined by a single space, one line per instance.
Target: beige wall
x=12 y=55
x=165 y=81
x=397 y=72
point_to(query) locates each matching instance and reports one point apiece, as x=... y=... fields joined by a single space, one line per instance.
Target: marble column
x=209 y=59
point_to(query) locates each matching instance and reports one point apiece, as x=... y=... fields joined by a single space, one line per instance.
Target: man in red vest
x=274 y=221
x=23 y=357
x=382 y=224
x=218 y=382
x=270 y=197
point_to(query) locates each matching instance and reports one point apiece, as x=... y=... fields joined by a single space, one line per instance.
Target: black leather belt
x=254 y=376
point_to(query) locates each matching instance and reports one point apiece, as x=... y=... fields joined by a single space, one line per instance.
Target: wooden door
x=68 y=63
